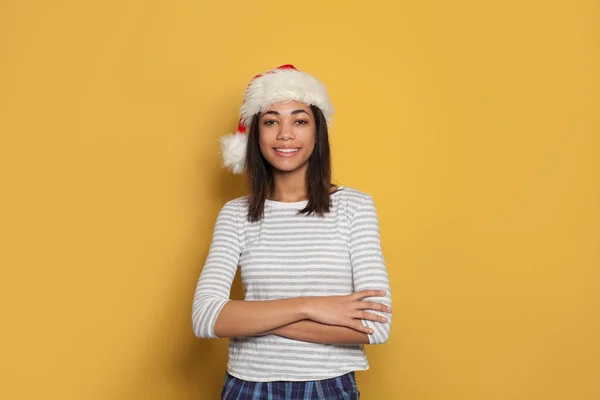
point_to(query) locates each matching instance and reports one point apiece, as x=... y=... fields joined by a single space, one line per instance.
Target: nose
x=286 y=131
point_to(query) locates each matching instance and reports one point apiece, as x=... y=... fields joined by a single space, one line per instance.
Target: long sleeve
x=368 y=265
x=214 y=285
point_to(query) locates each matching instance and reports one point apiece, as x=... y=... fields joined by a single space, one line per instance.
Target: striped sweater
x=286 y=255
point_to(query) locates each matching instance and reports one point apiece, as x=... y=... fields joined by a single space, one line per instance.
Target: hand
x=346 y=310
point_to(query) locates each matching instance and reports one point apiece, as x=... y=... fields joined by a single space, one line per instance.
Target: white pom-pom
x=233 y=150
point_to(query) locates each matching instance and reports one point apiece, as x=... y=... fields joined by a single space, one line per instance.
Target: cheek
x=266 y=138
x=308 y=139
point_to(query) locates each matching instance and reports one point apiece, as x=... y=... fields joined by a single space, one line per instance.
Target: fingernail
x=382 y=292
x=370 y=330
x=388 y=308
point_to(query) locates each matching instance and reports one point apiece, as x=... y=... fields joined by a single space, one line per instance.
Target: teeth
x=287 y=150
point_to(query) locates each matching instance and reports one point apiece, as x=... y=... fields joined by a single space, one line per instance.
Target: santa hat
x=284 y=83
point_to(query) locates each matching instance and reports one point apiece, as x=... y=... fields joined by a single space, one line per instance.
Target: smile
x=287 y=150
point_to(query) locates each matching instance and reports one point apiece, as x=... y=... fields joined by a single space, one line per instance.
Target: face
x=287 y=135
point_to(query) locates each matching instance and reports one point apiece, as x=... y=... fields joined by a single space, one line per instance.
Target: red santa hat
x=284 y=83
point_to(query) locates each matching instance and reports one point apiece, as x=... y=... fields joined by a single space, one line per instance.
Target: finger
x=357 y=325
x=372 y=305
x=368 y=293
x=370 y=316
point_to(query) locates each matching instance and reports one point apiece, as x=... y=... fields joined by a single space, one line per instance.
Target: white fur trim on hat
x=284 y=85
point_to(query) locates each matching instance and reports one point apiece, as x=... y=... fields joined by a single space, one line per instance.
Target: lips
x=286 y=151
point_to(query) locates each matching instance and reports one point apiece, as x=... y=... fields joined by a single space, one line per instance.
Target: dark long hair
x=318 y=176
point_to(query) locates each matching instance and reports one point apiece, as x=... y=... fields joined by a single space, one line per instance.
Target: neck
x=289 y=186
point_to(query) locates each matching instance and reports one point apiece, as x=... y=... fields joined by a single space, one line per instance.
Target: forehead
x=288 y=106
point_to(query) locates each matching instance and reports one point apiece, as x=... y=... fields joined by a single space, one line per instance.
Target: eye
x=301 y=122
x=269 y=122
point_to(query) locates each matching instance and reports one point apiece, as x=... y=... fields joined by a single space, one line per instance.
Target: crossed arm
x=323 y=319
x=311 y=331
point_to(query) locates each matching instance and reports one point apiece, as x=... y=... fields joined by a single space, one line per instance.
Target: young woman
x=315 y=281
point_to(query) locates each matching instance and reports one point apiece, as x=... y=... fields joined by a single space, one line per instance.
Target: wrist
x=304 y=308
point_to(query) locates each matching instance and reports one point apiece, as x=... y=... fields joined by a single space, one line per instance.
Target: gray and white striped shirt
x=286 y=255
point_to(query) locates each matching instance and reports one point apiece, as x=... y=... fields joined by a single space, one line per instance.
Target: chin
x=286 y=168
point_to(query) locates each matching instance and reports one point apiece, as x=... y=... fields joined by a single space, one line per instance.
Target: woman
x=314 y=276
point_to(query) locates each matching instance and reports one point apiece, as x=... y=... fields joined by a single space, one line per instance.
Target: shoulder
x=355 y=198
x=235 y=208
x=354 y=194
x=237 y=203
x=356 y=203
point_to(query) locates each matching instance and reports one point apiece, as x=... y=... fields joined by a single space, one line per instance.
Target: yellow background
x=474 y=124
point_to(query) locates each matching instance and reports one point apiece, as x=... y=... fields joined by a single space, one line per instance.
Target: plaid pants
x=339 y=388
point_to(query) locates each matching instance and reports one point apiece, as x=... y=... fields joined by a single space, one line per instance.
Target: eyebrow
x=293 y=112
